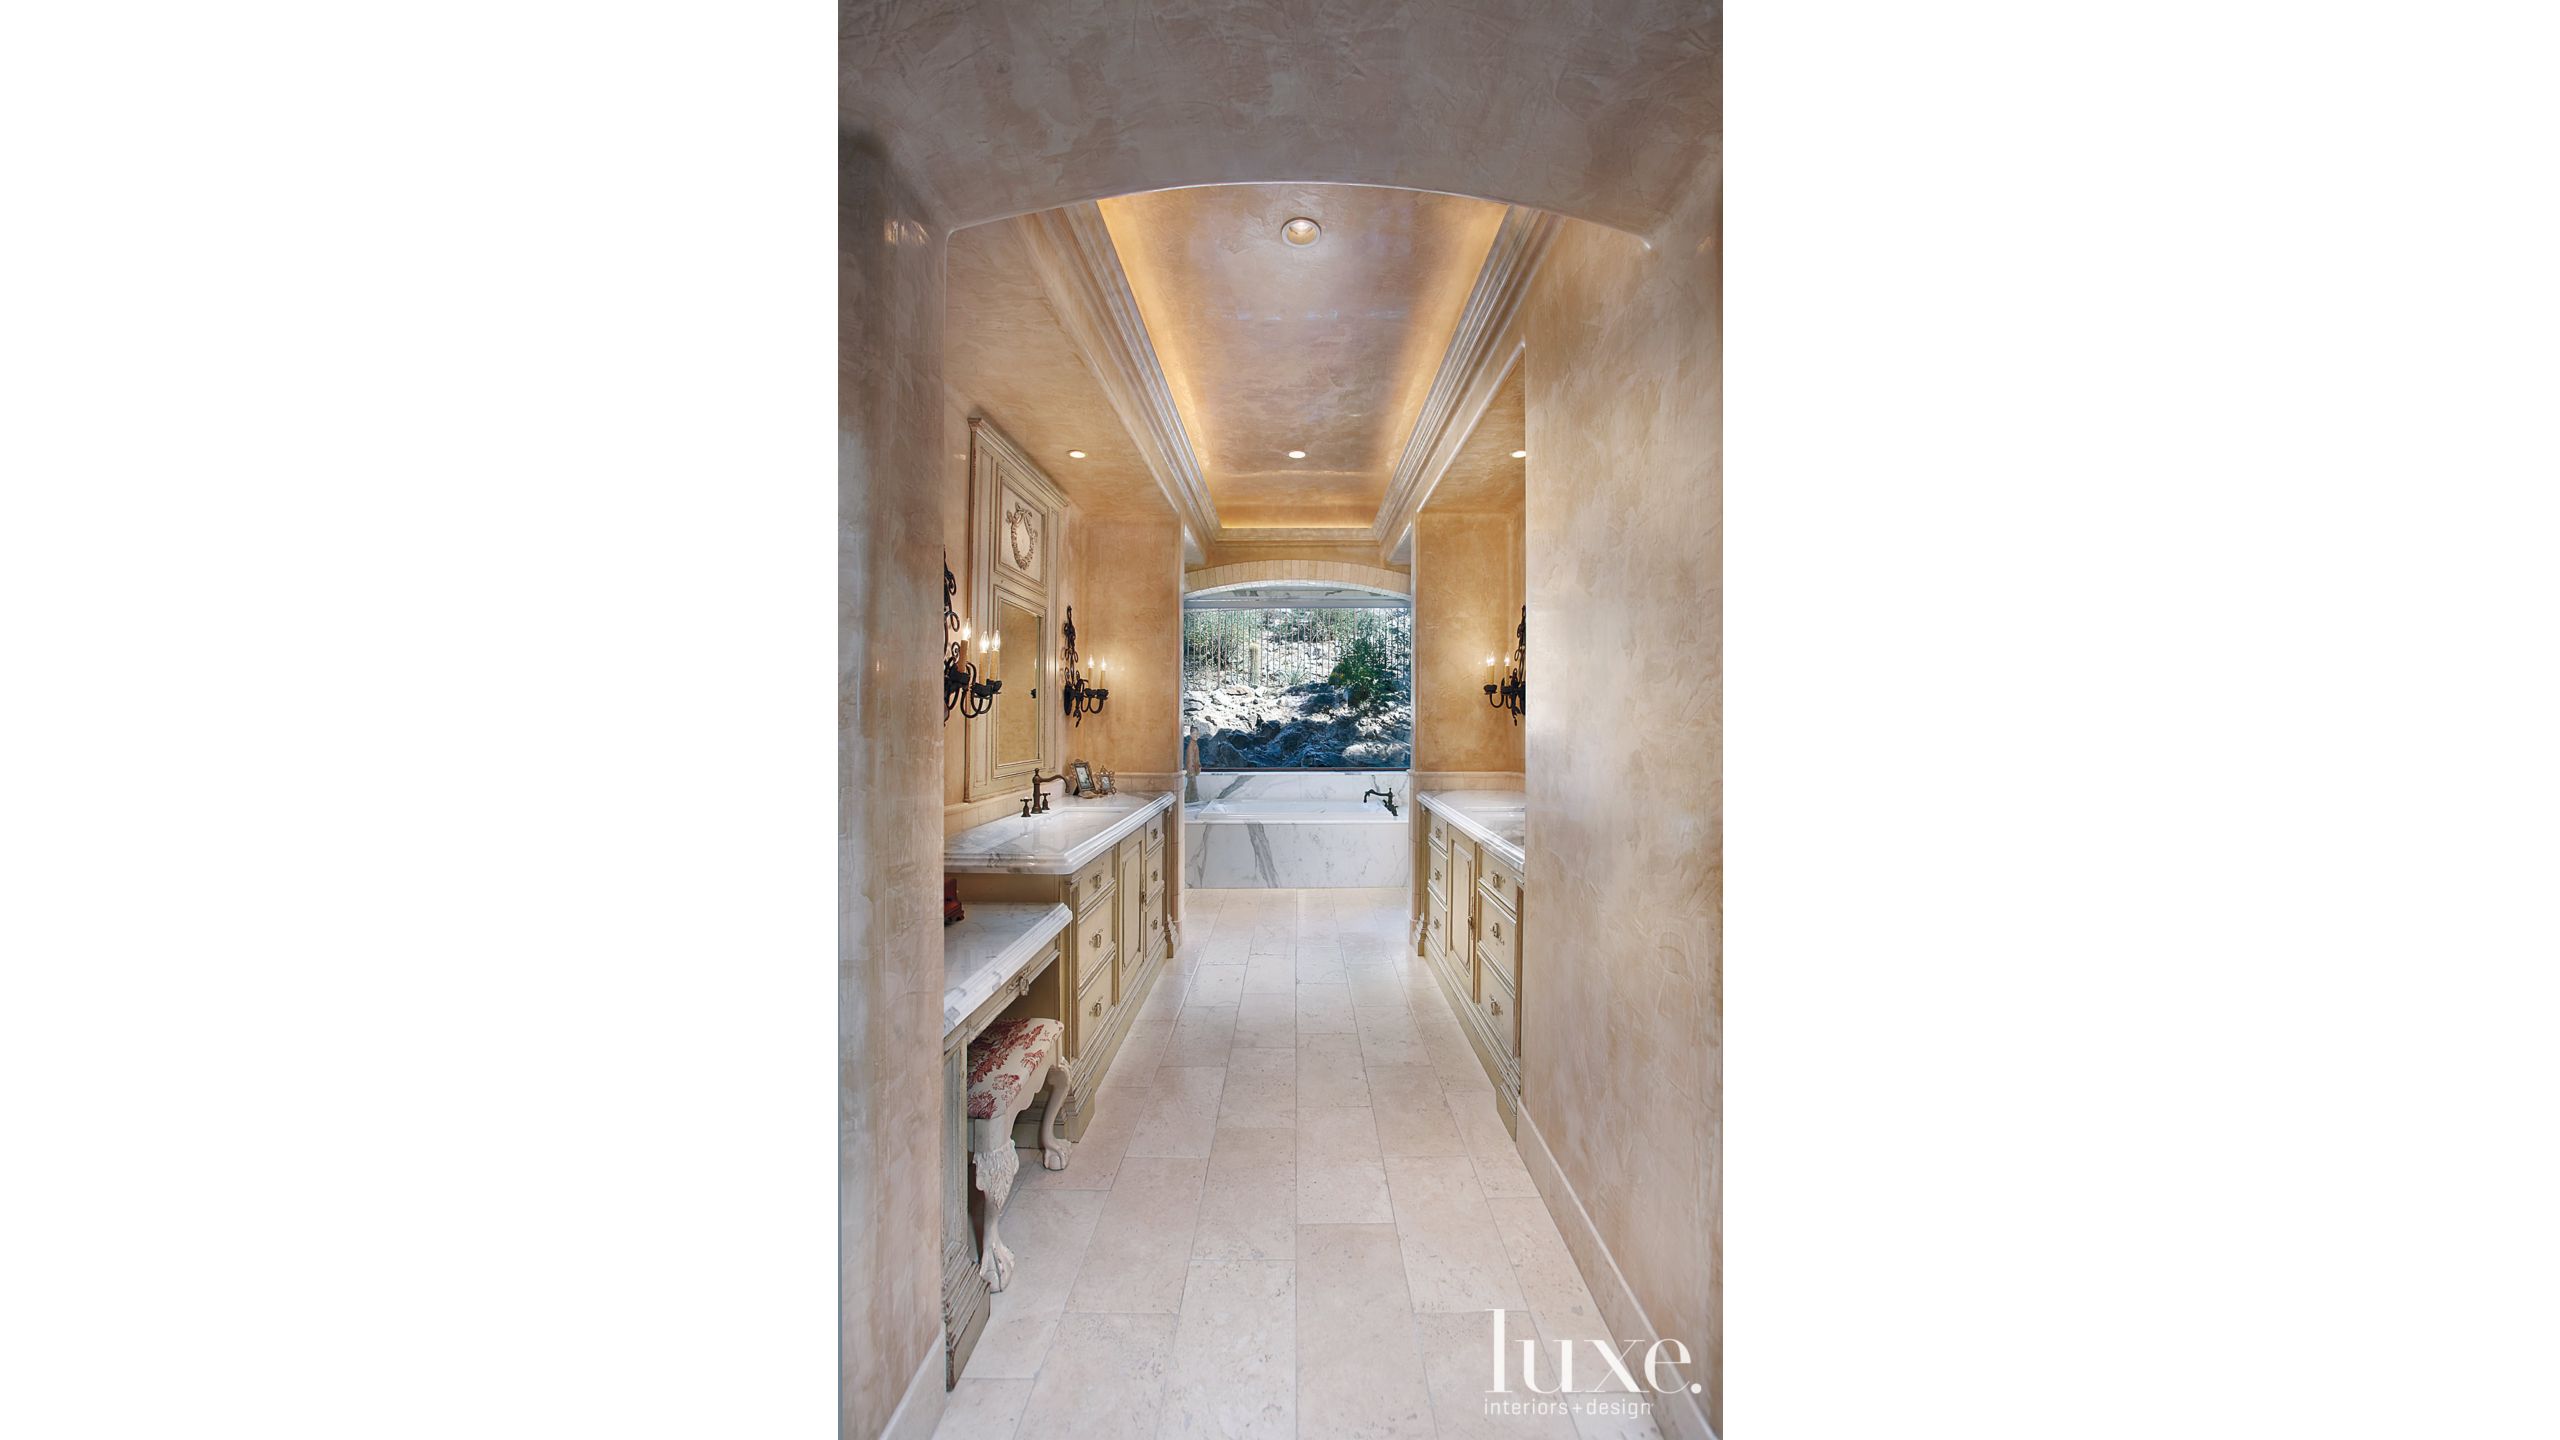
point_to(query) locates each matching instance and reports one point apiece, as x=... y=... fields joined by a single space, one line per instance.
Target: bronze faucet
x=1038 y=803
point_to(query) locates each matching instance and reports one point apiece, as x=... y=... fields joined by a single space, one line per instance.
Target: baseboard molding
x=919 y=1411
x=1678 y=1415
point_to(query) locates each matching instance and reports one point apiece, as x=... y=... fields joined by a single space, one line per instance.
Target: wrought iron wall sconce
x=961 y=687
x=1082 y=698
x=1512 y=693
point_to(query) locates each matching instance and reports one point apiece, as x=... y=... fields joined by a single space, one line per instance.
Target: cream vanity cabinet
x=1111 y=954
x=1472 y=908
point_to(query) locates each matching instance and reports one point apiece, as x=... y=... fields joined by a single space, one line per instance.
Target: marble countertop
x=1496 y=819
x=987 y=948
x=1074 y=834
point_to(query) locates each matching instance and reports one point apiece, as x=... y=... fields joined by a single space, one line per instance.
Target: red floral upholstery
x=1005 y=1056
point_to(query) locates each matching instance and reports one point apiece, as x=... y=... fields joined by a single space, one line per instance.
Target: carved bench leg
x=1054 y=1143
x=991 y=1150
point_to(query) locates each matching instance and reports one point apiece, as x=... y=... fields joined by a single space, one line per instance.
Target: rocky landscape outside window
x=1310 y=686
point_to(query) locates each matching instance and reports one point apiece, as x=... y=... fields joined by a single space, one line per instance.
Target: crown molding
x=1295 y=537
x=1072 y=254
x=1479 y=358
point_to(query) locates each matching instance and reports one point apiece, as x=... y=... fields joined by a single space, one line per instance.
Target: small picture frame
x=1108 y=783
x=1082 y=773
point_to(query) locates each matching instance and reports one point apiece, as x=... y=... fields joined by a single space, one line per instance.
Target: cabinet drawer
x=1439 y=873
x=1502 y=883
x=1155 y=869
x=1436 y=911
x=1092 y=1010
x=1093 y=945
x=1498 y=939
x=1155 y=833
x=1092 y=882
x=1500 y=1011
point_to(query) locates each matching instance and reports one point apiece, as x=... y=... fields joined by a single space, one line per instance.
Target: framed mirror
x=1016 y=523
x=1025 y=633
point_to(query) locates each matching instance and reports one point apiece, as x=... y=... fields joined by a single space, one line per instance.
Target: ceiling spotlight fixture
x=1078 y=454
x=1301 y=231
x=1516 y=454
x=1297 y=454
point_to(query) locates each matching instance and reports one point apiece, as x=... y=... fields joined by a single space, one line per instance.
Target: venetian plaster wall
x=1467 y=588
x=888 y=743
x=1623 y=1069
x=1130 y=581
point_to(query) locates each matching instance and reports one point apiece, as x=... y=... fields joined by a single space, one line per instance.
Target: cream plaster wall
x=1131 y=613
x=1467 y=586
x=888 y=743
x=1623 y=1069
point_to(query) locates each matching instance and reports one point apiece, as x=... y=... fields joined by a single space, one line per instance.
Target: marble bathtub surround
x=1297 y=830
x=987 y=950
x=1320 y=1269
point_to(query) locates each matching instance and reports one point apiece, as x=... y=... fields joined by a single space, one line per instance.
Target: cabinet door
x=1462 y=894
x=1133 y=911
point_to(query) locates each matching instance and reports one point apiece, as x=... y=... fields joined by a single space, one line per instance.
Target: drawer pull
x=1097 y=939
x=1097 y=1009
x=1497 y=929
x=1494 y=1005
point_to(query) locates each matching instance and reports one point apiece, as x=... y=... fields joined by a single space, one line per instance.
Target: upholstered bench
x=1008 y=1062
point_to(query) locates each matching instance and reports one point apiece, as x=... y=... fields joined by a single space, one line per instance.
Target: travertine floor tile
x=1261 y=1091
x=1249 y=1205
x=1267 y=1019
x=1413 y=1116
x=1453 y=1254
x=1048 y=1232
x=1457 y=1355
x=1497 y=1155
x=1235 y=1356
x=1329 y=1070
x=1360 y=1370
x=1184 y=1113
x=1201 y=1036
x=1216 y=985
x=1142 y=1245
x=1104 y=1379
x=1325 y=1009
x=1271 y=973
x=1345 y=1194
x=983 y=1409
x=1549 y=1280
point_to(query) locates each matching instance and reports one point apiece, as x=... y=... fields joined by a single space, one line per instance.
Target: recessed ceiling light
x=1301 y=231
x=1519 y=454
x=1075 y=454
x=1297 y=454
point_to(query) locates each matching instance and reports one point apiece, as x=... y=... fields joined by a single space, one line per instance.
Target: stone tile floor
x=1293 y=1214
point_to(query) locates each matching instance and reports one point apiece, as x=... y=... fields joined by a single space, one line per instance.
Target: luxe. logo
x=1614 y=1360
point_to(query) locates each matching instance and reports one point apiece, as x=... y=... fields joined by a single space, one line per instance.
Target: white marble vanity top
x=985 y=950
x=1496 y=819
x=1072 y=835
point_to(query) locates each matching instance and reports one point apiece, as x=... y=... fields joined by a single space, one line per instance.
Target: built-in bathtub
x=1296 y=830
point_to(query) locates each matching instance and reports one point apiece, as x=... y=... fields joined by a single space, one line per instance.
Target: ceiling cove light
x=1075 y=454
x=1297 y=454
x=1301 y=231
